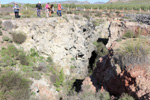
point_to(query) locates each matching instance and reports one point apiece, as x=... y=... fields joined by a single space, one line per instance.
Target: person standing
x=59 y=9
x=16 y=10
x=39 y=8
x=51 y=10
x=47 y=7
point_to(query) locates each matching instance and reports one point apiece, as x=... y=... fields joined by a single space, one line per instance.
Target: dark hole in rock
x=80 y=55
x=77 y=85
x=92 y=60
x=103 y=40
x=32 y=37
x=84 y=30
x=38 y=91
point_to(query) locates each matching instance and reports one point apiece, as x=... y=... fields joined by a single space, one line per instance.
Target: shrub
x=129 y=34
x=60 y=80
x=7 y=61
x=8 y=55
x=33 y=53
x=86 y=14
x=14 y=86
x=95 y=43
x=42 y=67
x=101 y=50
x=126 y=97
x=97 y=22
x=87 y=94
x=19 y=38
x=69 y=12
x=28 y=13
x=35 y=75
x=50 y=60
x=1 y=33
x=6 y=38
x=98 y=14
x=23 y=59
x=0 y=22
x=133 y=52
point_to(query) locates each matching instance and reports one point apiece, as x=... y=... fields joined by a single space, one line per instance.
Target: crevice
x=92 y=61
x=103 y=40
x=84 y=29
x=77 y=85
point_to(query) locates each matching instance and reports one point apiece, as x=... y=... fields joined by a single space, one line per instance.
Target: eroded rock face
x=43 y=90
x=68 y=43
x=134 y=79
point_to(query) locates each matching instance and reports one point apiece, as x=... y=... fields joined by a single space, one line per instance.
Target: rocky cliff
x=126 y=68
x=68 y=41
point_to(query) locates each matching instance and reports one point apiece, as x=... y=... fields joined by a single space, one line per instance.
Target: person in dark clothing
x=39 y=8
x=16 y=10
x=51 y=10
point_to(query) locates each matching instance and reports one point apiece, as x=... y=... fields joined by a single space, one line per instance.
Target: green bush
x=6 y=38
x=23 y=59
x=133 y=52
x=1 y=33
x=8 y=55
x=60 y=80
x=129 y=34
x=126 y=97
x=11 y=51
x=50 y=60
x=18 y=38
x=0 y=22
x=33 y=53
x=7 y=61
x=101 y=51
x=14 y=86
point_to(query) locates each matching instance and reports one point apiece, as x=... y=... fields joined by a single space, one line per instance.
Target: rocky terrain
x=68 y=41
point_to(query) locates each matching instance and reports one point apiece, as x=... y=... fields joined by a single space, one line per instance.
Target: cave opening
x=92 y=61
x=84 y=29
x=103 y=40
x=77 y=85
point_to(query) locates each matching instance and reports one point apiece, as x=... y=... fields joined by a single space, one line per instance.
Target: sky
x=44 y=1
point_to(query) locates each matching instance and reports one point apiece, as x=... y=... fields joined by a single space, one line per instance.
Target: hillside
x=130 y=1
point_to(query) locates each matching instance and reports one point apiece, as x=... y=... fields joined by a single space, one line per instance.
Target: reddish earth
x=134 y=80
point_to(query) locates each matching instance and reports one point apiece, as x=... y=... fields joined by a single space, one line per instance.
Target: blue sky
x=43 y=1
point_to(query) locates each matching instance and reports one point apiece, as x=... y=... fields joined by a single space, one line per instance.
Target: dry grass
x=133 y=52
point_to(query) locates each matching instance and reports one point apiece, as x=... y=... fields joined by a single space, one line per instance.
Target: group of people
x=48 y=8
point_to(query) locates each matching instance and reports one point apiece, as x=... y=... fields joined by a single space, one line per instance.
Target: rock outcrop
x=123 y=74
x=143 y=18
x=67 y=40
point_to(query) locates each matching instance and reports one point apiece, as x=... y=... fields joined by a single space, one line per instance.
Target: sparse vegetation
x=23 y=59
x=18 y=37
x=28 y=13
x=6 y=38
x=129 y=34
x=133 y=52
x=59 y=80
x=87 y=94
x=126 y=97
x=14 y=85
x=8 y=56
x=1 y=33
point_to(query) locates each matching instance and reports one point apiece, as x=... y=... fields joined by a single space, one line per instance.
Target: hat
x=39 y=2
